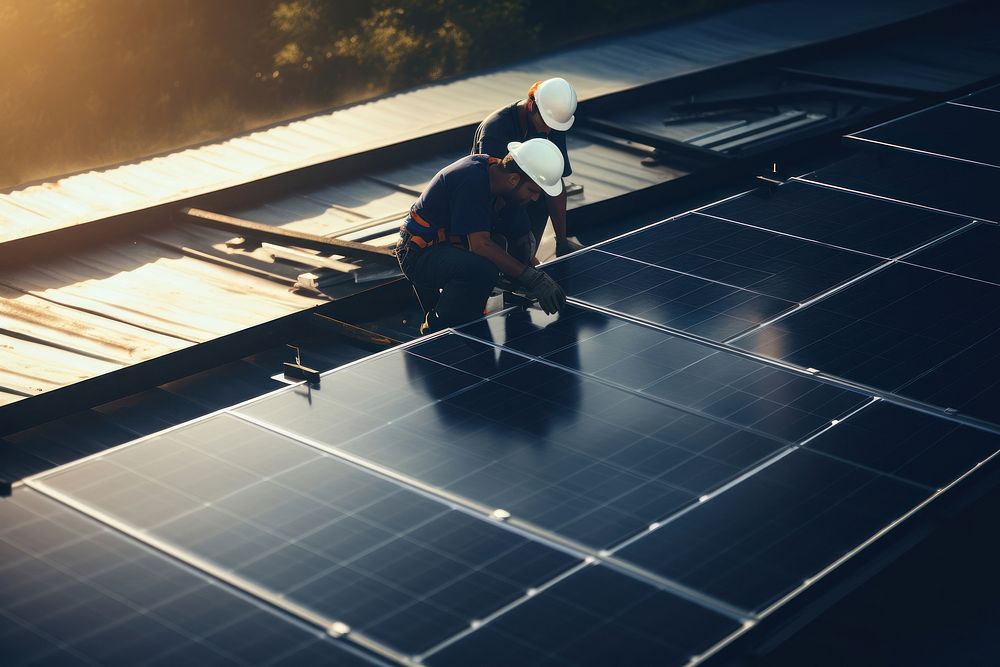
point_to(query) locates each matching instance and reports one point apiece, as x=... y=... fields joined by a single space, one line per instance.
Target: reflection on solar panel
x=598 y=487
x=75 y=592
x=662 y=296
x=951 y=186
x=519 y=492
x=692 y=376
x=839 y=218
x=948 y=130
x=753 y=259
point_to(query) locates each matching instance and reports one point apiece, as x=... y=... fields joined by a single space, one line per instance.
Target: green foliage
x=94 y=82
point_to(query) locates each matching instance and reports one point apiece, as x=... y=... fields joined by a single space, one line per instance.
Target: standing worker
x=454 y=243
x=547 y=112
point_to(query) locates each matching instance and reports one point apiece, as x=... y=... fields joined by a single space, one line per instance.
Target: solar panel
x=984 y=99
x=972 y=254
x=950 y=186
x=662 y=296
x=911 y=445
x=947 y=130
x=923 y=334
x=73 y=591
x=763 y=538
x=691 y=375
x=573 y=455
x=596 y=617
x=839 y=218
x=754 y=259
x=311 y=529
x=518 y=492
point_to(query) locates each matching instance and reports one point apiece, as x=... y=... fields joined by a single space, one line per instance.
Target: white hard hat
x=556 y=102
x=542 y=161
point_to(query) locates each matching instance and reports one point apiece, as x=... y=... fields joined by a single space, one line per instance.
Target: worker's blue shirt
x=503 y=126
x=458 y=200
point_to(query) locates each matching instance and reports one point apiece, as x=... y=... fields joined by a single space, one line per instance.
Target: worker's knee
x=481 y=273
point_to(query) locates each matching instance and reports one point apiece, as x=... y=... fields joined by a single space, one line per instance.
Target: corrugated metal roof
x=595 y=69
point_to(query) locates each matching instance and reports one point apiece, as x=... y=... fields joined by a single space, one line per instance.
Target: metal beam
x=286 y=236
x=663 y=144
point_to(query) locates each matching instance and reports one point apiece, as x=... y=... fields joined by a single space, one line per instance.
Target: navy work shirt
x=503 y=126
x=458 y=200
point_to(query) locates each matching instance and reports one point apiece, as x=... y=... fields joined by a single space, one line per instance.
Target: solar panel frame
x=836 y=217
x=91 y=594
x=742 y=256
x=950 y=131
x=200 y=529
x=924 y=181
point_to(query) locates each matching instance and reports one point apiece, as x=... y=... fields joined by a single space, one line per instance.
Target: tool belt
x=406 y=236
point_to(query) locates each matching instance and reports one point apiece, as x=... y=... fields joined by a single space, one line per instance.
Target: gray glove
x=546 y=291
x=567 y=245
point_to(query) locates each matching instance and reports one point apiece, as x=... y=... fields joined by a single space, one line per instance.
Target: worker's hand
x=567 y=245
x=546 y=291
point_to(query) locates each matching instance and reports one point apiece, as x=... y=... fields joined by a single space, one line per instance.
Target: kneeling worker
x=455 y=240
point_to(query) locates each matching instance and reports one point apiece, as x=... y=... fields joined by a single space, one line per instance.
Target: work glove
x=567 y=245
x=546 y=291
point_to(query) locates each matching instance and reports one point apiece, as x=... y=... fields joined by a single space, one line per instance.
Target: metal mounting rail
x=286 y=236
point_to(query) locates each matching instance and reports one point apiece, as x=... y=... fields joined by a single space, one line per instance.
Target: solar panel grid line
x=80 y=578
x=972 y=106
x=841 y=287
x=814 y=579
x=453 y=501
x=743 y=477
x=437 y=648
x=629 y=390
x=793 y=236
x=952 y=273
x=683 y=273
x=910 y=149
x=642 y=229
x=811 y=581
x=515 y=524
x=826 y=378
x=232 y=581
x=334 y=628
x=805 y=179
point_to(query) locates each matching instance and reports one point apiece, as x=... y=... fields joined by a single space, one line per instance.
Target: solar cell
x=339 y=541
x=951 y=186
x=948 y=130
x=839 y=218
x=598 y=617
x=984 y=99
x=762 y=538
x=592 y=462
x=75 y=592
x=912 y=445
x=767 y=263
x=662 y=296
x=972 y=254
x=923 y=334
x=689 y=374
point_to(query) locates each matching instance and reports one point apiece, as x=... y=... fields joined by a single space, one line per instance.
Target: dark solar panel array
x=950 y=186
x=839 y=218
x=624 y=483
x=948 y=130
x=75 y=592
x=984 y=99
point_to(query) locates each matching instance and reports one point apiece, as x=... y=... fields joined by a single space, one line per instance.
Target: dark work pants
x=465 y=280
